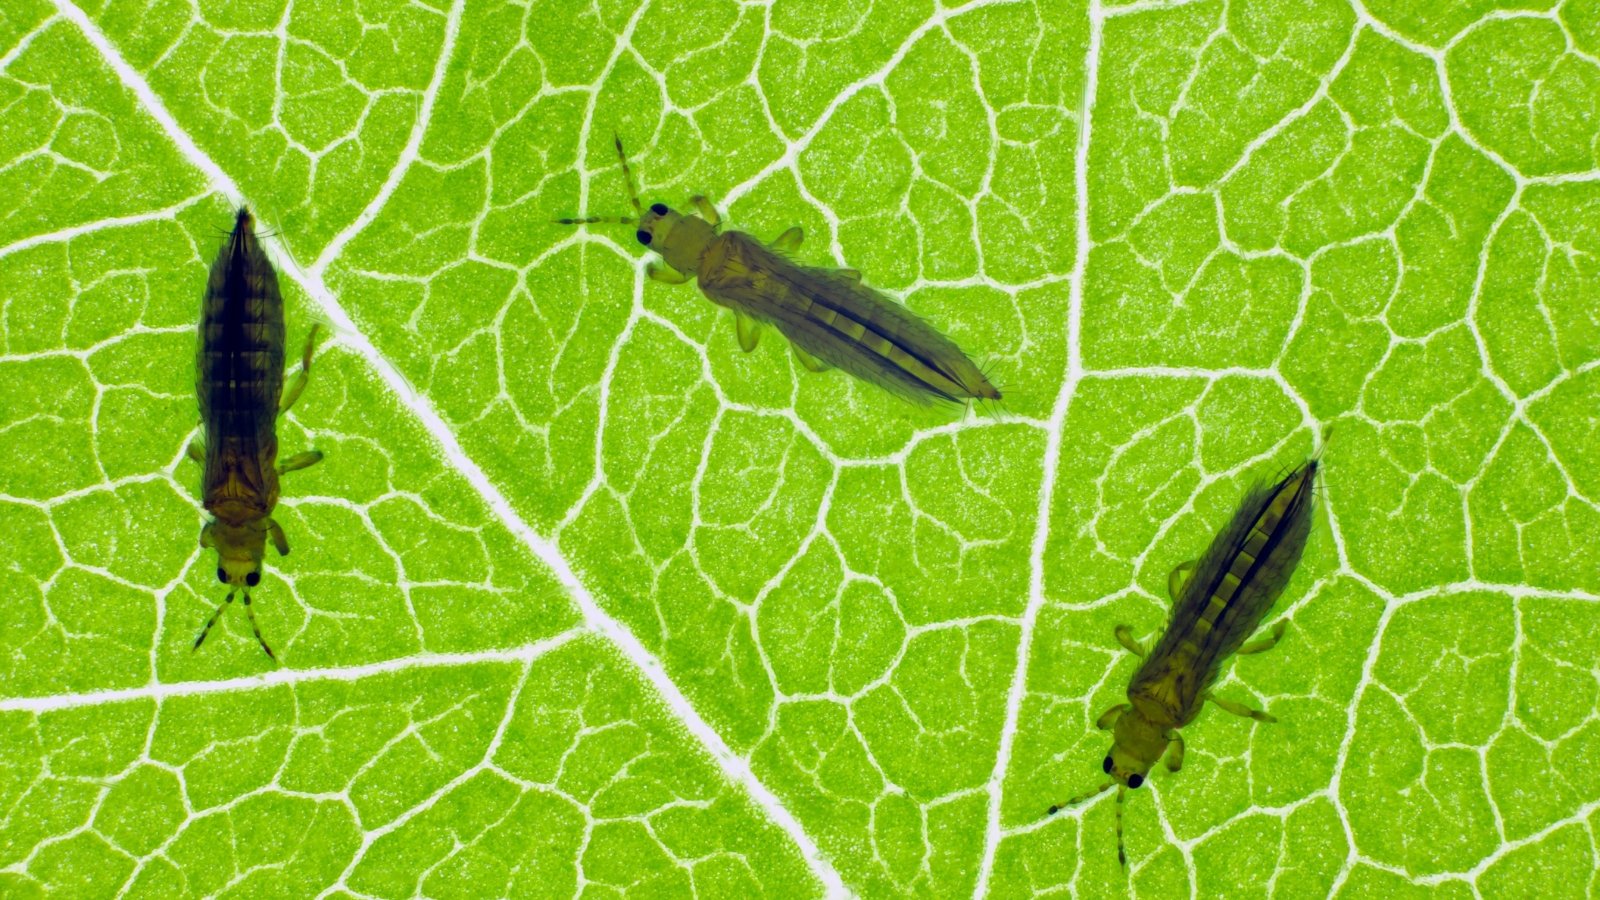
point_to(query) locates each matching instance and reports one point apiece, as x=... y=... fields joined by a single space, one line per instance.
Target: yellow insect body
x=239 y=380
x=830 y=318
x=1217 y=605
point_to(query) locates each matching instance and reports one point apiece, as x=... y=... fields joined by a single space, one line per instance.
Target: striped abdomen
x=1230 y=591
x=239 y=376
x=842 y=322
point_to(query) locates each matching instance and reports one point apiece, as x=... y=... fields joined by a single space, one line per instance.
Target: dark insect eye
x=1107 y=765
x=253 y=579
x=1135 y=780
x=222 y=575
x=659 y=209
x=643 y=236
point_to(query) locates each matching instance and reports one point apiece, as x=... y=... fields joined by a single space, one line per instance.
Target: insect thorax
x=686 y=245
x=236 y=540
x=1140 y=736
x=1169 y=700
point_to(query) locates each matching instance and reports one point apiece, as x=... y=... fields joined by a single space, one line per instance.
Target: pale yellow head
x=1137 y=743
x=240 y=549
x=680 y=239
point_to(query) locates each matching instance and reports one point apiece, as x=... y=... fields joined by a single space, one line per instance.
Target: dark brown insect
x=1218 y=602
x=239 y=379
x=830 y=318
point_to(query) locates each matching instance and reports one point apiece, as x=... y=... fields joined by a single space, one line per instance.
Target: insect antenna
x=591 y=220
x=633 y=197
x=212 y=621
x=1081 y=798
x=251 y=612
x=627 y=175
x=1122 y=856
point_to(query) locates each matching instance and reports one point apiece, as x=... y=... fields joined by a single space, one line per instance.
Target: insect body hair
x=828 y=315
x=239 y=382
x=845 y=324
x=1223 y=601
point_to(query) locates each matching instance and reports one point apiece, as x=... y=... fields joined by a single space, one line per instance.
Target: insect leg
x=293 y=393
x=212 y=621
x=300 y=461
x=1110 y=716
x=196 y=452
x=278 y=541
x=1239 y=709
x=809 y=361
x=1173 y=758
x=1125 y=638
x=789 y=240
x=665 y=274
x=708 y=212
x=251 y=612
x=1266 y=643
x=749 y=331
x=1178 y=578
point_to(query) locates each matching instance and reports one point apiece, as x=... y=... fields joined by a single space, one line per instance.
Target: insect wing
x=239 y=372
x=845 y=324
x=1232 y=588
x=876 y=339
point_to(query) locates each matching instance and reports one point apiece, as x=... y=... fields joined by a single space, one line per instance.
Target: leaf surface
x=585 y=598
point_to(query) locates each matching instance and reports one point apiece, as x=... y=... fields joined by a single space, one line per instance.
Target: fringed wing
x=239 y=374
x=1233 y=586
x=844 y=323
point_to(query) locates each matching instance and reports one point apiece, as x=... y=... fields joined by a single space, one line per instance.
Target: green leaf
x=584 y=597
